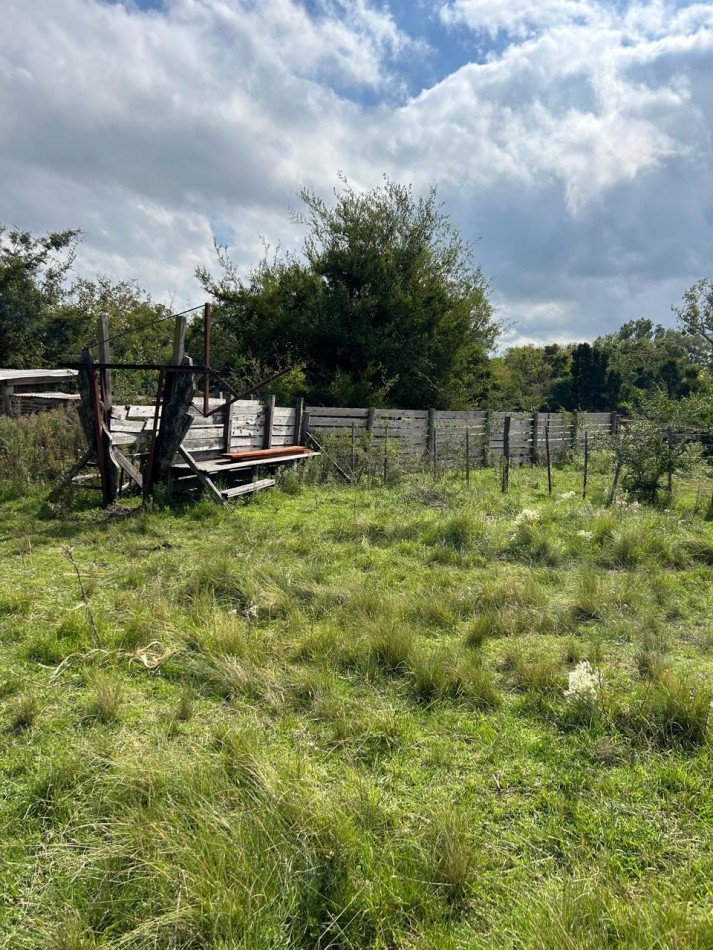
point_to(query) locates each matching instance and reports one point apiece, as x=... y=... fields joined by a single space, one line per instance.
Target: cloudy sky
x=571 y=139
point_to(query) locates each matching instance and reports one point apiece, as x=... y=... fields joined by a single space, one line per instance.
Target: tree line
x=385 y=306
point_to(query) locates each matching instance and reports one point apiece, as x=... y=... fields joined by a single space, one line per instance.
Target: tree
x=386 y=306
x=140 y=330
x=696 y=314
x=648 y=356
x=32 y=274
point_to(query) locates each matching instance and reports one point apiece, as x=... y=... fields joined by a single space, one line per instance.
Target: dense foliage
x=386 y=306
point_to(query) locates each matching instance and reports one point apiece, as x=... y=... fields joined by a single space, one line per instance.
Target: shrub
x=37 y=449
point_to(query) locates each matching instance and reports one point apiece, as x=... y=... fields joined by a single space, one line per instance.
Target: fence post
x=506 y=454
x=386 y=446
x=575 y=430
x=432 y=434
x=179 y=341
x=535 y=454
x=228 y=427
x=549 y=459
x=467 y=456
x=614 y=423
x=105 y=374
x=586 y=462
x=299 y=410
x=269 y=416
x=207 y=310
x=486 y=437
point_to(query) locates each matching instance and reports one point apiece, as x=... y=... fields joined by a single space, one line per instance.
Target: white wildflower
x=527 y=515
x=568 y=494
x=587 y=535
x=584 y=683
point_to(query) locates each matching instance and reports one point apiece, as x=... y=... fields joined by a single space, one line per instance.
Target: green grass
x=336 y=717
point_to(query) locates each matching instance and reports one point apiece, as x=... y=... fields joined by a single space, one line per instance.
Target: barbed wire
x=150 y=323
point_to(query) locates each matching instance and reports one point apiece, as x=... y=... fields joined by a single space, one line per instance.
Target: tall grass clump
x=36 y=449
x=674 y=710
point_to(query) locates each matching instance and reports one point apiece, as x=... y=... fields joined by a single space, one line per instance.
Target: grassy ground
x=336 y=717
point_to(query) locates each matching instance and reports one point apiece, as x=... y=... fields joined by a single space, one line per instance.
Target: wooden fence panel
x=408 y=429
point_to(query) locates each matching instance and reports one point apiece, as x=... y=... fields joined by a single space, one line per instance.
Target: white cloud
x=146 y=128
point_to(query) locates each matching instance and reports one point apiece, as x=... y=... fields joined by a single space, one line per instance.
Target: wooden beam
x=179 y=341
x=269 y=417
x=201 y=476
x=123 y=462
x=299 y=410
x=227 y=426
x=432 y=434
x=105 y=357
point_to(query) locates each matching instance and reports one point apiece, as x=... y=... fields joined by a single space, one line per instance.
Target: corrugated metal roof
x=27 y=376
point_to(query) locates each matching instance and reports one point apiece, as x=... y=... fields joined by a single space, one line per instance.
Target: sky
x=569 y=140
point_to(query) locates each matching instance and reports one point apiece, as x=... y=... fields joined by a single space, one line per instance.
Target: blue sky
x=570 y=140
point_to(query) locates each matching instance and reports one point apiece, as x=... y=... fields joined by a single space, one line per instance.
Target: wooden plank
x=123 y=463
x=179 y=341
x=248 y=488
x=215 y=466
x=201 y=476
x=297 y=423
x=228 y=426
x=317 y=411
x=175 y=421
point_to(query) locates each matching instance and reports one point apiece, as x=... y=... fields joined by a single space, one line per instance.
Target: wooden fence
x=249 y=424
x=442 y=434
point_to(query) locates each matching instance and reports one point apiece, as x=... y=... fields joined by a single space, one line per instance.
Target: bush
x=37 y=449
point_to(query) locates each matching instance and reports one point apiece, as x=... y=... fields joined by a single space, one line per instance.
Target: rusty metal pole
x=207 y=309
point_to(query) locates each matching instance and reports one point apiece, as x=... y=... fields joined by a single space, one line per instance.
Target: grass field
x=336 y=717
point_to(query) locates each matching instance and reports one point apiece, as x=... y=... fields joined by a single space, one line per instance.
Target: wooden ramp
x=192 y=472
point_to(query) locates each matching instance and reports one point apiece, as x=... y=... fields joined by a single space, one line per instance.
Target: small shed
x=32 y=390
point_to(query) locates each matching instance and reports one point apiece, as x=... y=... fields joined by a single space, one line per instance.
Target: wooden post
x=105 y=374
x=535 y=452
x=486 y=438
x=149 y=470
x=467 y=456
x=353 y=447
x=386 y=446
x=670 y=460
x=228 y=427
x=370 y=419
x=432 y=435
x=614 y=423
x=7 y=394
x=269 y=417
x=207 y=312
x=174 y=423
x=574 y=431
x=506 y=454
x=549 y=459
x=305 y=428
x=299 y=410
x=179 y=341
x=586 y=462
x=615 y=482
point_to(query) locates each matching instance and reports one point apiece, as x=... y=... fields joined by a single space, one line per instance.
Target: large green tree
x=32 y=275
x=385 y=306
x=696 y=313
